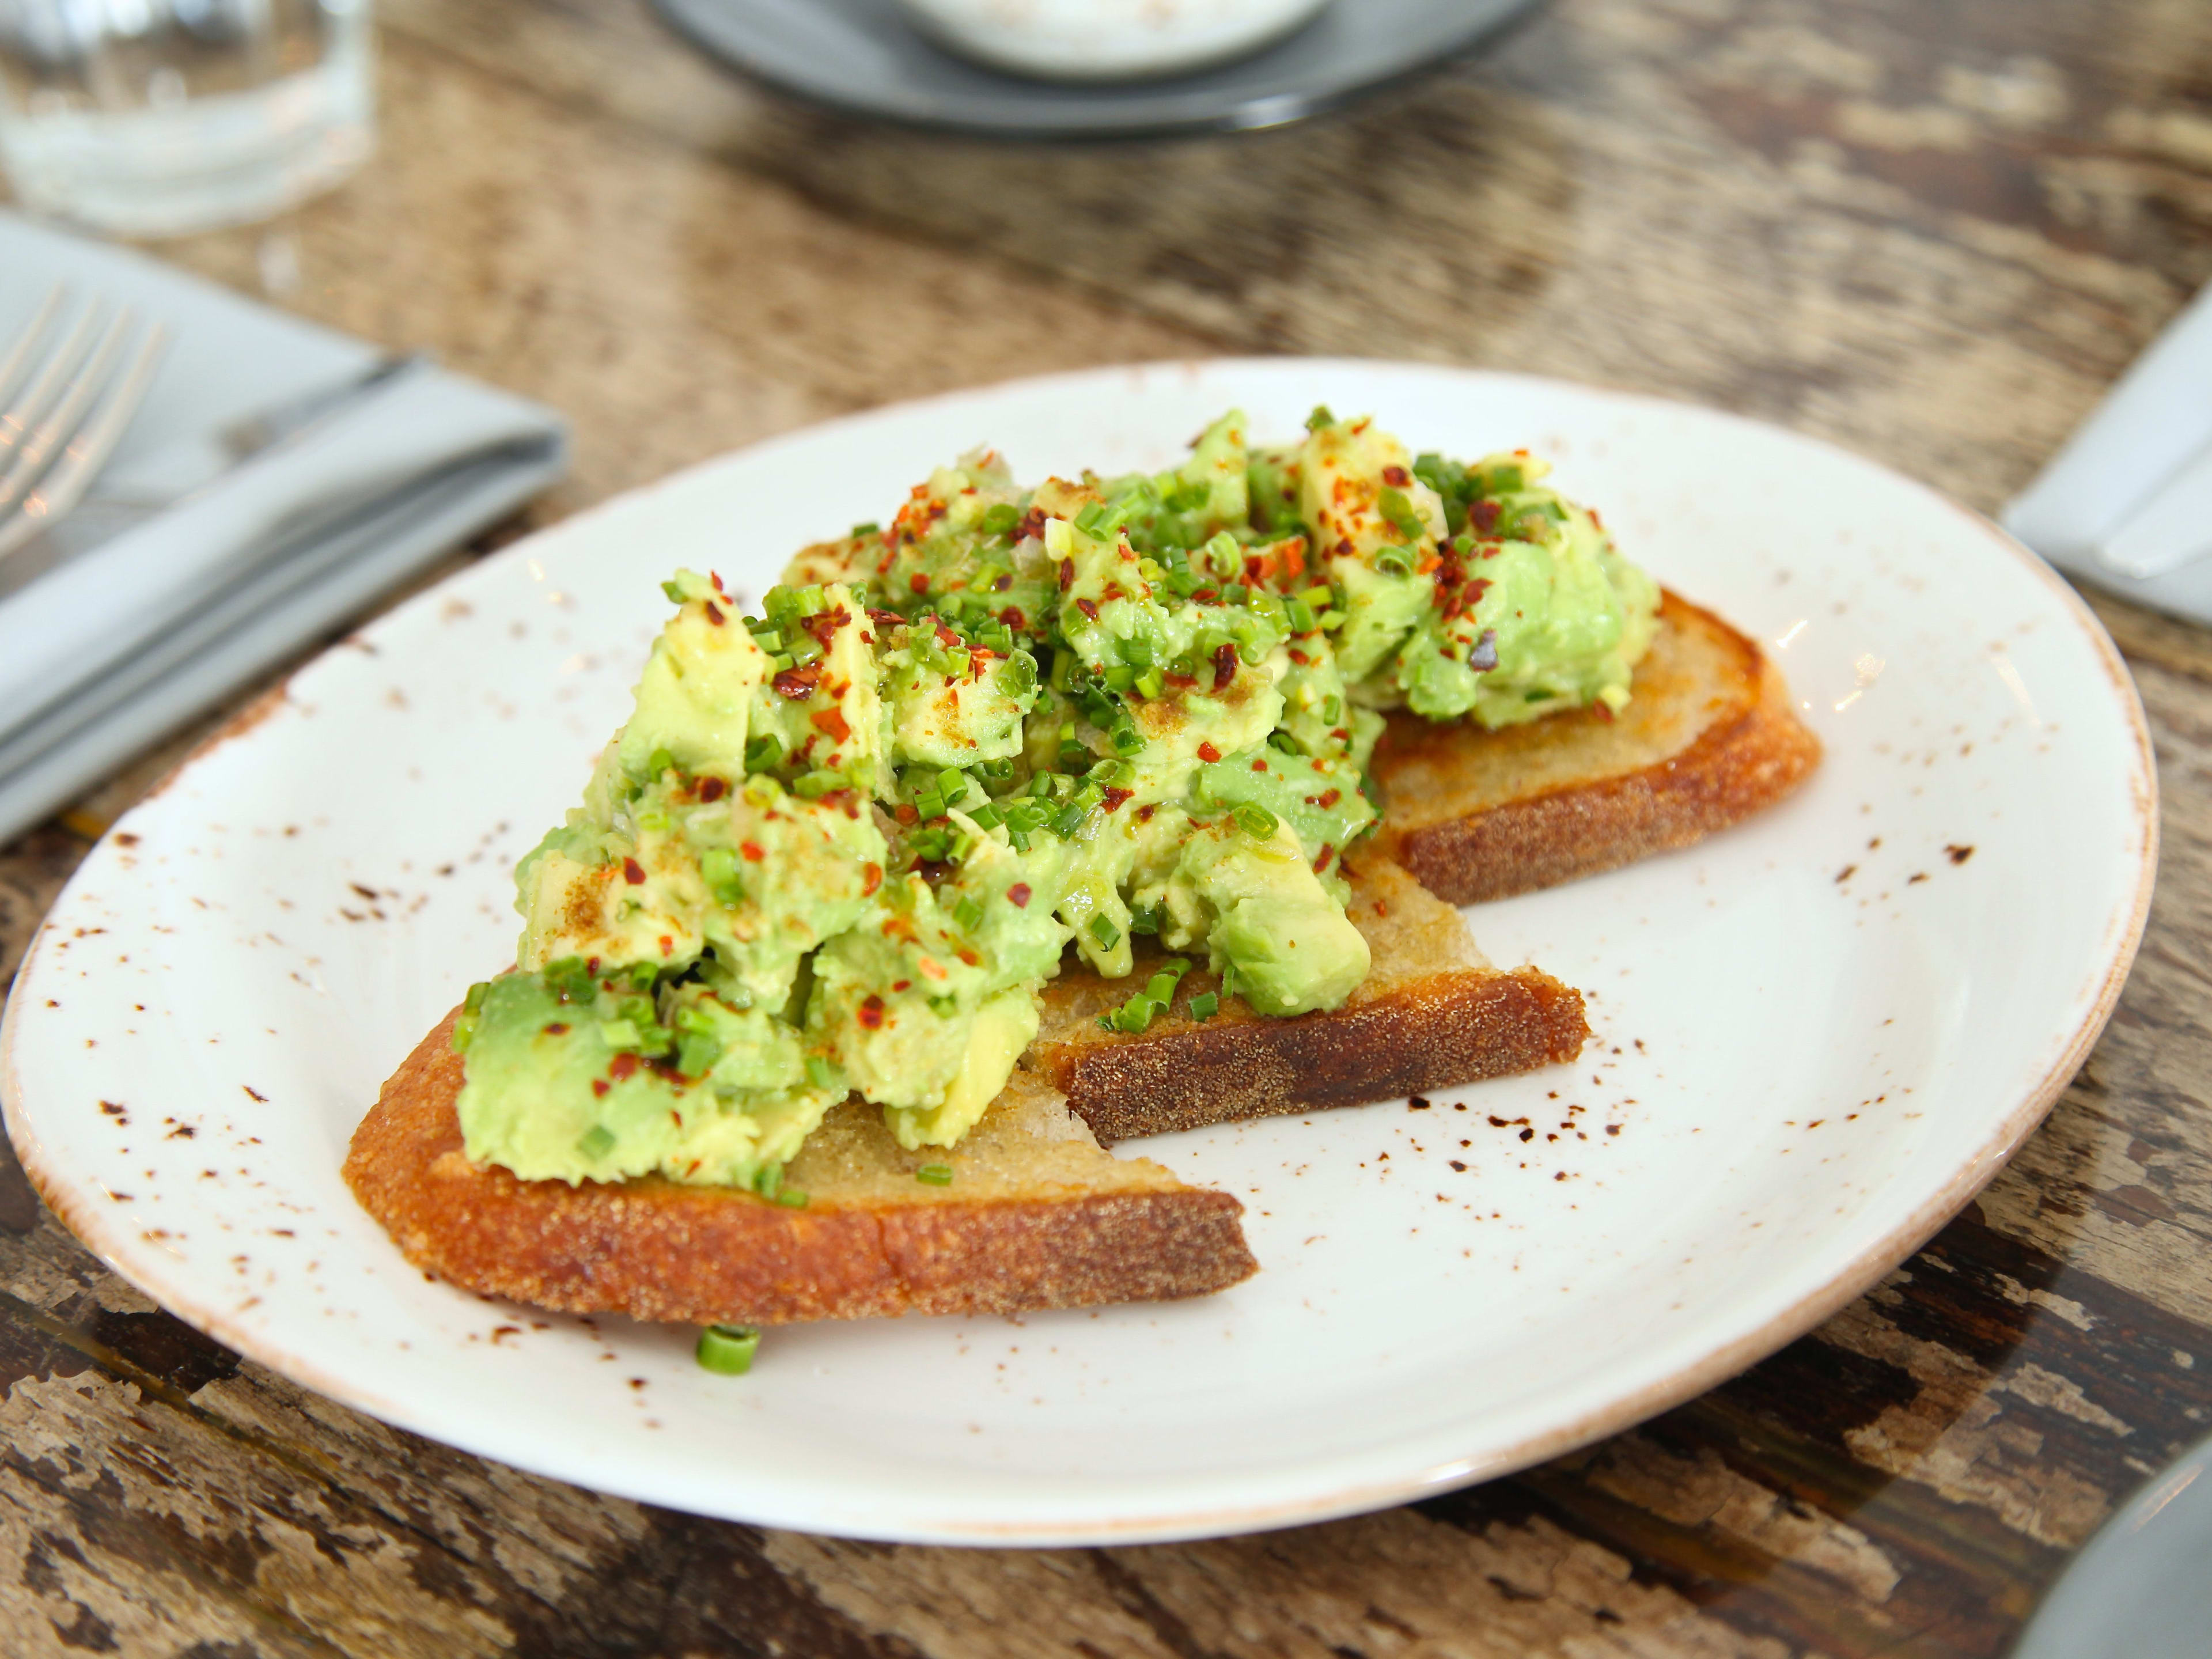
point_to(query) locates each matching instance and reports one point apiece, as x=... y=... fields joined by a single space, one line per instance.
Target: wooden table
x=1932 y=232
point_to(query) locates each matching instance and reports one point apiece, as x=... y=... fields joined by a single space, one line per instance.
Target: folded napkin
x=2126 y=505
x=106 y=652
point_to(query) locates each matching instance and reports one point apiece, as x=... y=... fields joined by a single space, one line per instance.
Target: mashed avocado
x=841 y=845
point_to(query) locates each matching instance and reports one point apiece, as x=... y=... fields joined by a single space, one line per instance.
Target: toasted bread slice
x=1709 y=737
x=1430 y=1013
x=1035 y=1216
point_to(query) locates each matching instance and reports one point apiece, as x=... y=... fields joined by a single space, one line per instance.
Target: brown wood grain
x=1932 y=233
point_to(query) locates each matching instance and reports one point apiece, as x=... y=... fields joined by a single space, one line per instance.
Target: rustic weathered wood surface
x=1932 y=232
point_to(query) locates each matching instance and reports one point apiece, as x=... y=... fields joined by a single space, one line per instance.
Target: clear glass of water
x=154 y=117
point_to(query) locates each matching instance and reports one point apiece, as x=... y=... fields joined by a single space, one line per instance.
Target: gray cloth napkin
x=2126 y=504
x=105 y=654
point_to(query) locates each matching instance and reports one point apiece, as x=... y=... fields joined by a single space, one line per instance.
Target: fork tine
x=16 y=361
x=35 y=449
x=89 y=450
x=52 y=379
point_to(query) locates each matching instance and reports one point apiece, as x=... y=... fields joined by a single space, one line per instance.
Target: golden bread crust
x=1709 y=737
x=1431 y=1014
x=657 y=1250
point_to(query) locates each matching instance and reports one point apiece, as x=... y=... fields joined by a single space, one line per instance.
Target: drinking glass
x=153 y=118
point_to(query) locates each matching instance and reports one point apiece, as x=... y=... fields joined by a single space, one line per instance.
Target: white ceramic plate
x=1817 y=1035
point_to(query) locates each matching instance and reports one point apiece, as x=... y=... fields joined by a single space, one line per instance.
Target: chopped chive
x=597 y=1141
x=815 y=784
x=934 y=1175
x=1103 y=930
x=791 y=1199
x=1135 y=1015
x=1069 y=821
x=1255 y=821
x=675 y=593
x=820 y=1072
x=987 y=817
x=1320 y=418
x=1205 y=1006
x=763 y=752
x=728 y=1349
x=1126 y=741
x=968 y=913
x=1332 y=708
x=1161 y=988
x=929 y=804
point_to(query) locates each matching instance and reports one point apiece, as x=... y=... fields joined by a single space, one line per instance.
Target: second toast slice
x=1709 y=737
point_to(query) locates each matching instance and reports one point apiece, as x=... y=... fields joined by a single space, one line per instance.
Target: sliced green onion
x=597 y=1141
x=728 y=1349
x=968 y=913
x=1255 y=821
x=1205 y=1006
x=934 y=1175
x=820 y=1072
x=1103 y=930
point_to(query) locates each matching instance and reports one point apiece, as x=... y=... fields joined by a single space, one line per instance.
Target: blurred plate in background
x=864 y=57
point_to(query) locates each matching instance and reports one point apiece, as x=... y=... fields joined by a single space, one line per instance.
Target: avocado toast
x=1036 y=798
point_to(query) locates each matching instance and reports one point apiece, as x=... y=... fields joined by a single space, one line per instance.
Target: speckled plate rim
x=127 y=1254
x=1237 y=113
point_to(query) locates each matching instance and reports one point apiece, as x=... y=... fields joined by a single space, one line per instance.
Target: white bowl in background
x=1107 y=40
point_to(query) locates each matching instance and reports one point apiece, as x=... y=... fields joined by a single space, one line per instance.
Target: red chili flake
x=1472 y=595
x=712 y=788
x=1328 y=798
x=1066 y=574
x=1116 y=798
x=1343 y=550
x=1145 y=813
x=1177 y=681
x=798 y=684
x=1484 y=515
x=752 y=851
x=918 y=583
x=1012 y=616
x=1032 y=525
x=1327 y=852
x=901 y=984
x=872 y=877
x=1957 y=853
x=824 y=624
x=1300 y=657
x=557 y=1029
x=667 y=945
x=885 y=619
x=1603 y=711
x=904 y=813
x=1088 y=608
x=968 y=956
x=1395 y=477
x=1259 y=766
x=1255 y=569
x=872 y=1013
x=1206 y=751
x=633 y=873
x=1224 y=666
x=831 y=722
x=1207 y=596
x=713 y=612
x=622 y=1067
x=599 y=1086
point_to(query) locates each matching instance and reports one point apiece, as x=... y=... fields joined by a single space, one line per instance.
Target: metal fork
x=68 y=390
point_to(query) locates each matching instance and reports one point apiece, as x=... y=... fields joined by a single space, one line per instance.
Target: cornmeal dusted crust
x=1036 y=1216
x=1709 y=737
